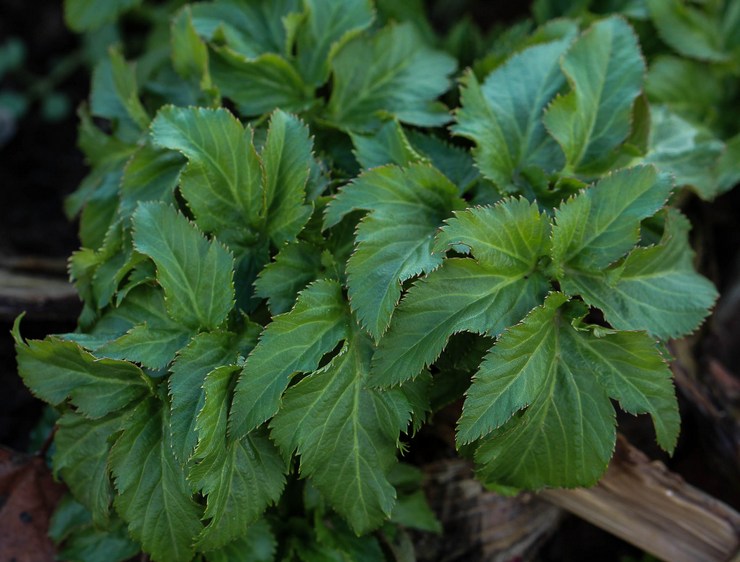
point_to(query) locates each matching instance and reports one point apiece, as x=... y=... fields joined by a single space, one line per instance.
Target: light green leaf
x=294 y=342
x=295 y=266
x=394 y=72
x=394 y=241
x=605 y=70
x=327 y=27
x=240 y=478
x=259 y=85
x=345 y=434
x=655 y=289
x=257 y=545
x=81 y=459
x=153 y=496
x=251 y=27
x=690 y=31
x=223 y=180
x=476 y=299
x=690 y=152
x=509 y=238
x=602 y=223
x=387 y=145
x=286 y=157
x=195 y=273
x=86 y=15
x=55 y=370
x=206 y=352
x=504 y=115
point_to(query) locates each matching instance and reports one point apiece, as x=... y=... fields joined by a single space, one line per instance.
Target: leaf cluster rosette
x=293 y=252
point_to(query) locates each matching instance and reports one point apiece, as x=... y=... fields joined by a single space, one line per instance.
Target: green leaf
x=259 y=85
x=476 y=299
x=223 y=180
x=257 y=545
x=150 y=175
x=602 y=223
x=153 y=496
x=86 y=15
x=394 y=241
x=195 y=273
x=690 y=152
x=240 y=478
x=327 y=27
x=654 y=289
x=250 y=27
x=206 y=352
x=687 y=86
x=387 y=145
x=189 y=52
x=393 y=72
x=115 y=94
x=55 y=370
x=566 y=434
x=488 y=232
x=690 y=31
x=286 y=157
x=560 y=379
x=605 y=70
x=151 y=346
x=81 y=458
x=295 y=266
x=82 y=540
x=504 y=115
x=294 y=342
x=453 y=161
x=345 y=434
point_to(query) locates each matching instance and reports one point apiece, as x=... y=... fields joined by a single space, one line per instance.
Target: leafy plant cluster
x=300 y=239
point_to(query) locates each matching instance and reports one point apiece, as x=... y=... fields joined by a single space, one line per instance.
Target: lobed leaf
x=605 y=70
x=55 y=370
x=81 y=458
x=153 y=496
x=206 y=352
x=560 y=379
x=259 y=85
x=293 y=343
x=394 y=241
x=655 y=289
x=476 y=299
x=348 y=448
x=328 y=25
x=286 y=157
x=223 y=180
x=394 y=72
x=503 y=116
x=602 y=223
x=240 y=478
x=509 y=238
x=195 y=273
x=294 y=267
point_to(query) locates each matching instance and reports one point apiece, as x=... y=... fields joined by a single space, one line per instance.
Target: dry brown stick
x=42 y=295
x=647 y=505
